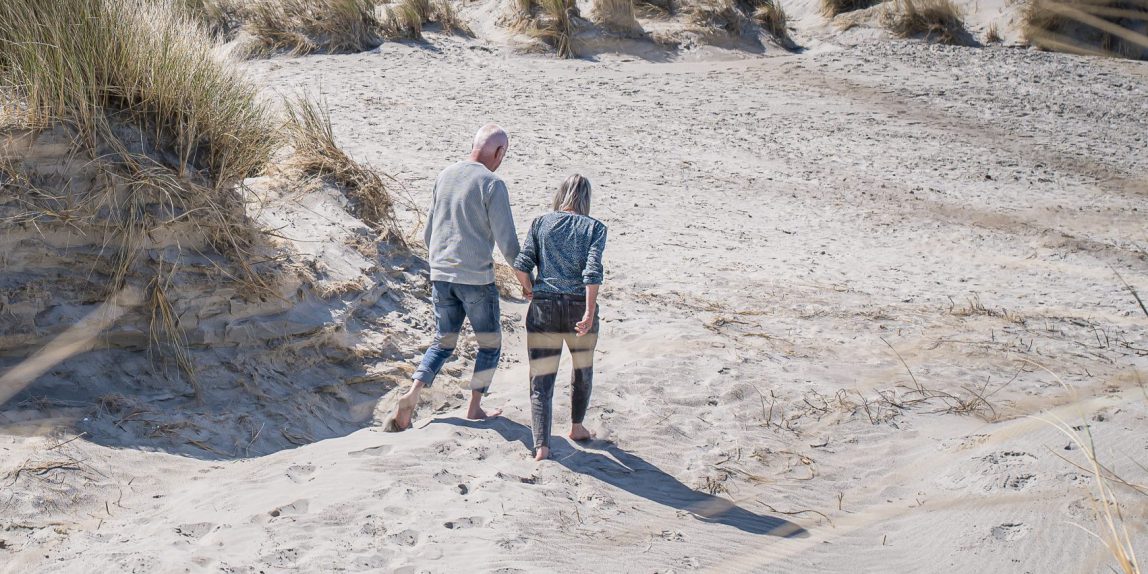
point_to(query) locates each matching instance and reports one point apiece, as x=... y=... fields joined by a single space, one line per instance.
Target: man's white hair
x=490 y=135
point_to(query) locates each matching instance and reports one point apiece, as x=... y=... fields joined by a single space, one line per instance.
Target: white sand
x=781 y=228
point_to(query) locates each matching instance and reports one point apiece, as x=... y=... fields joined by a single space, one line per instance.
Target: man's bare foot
x=406 y=408
x=580 y=433
x=477 y=414
x=474 y=411
x=542 y=453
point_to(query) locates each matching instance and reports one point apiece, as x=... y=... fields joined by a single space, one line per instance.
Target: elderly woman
x=566 y=248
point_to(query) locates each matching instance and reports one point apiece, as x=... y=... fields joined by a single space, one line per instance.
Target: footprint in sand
x=299 y=473
x=297 y=507
x=194 y=531
x=467 y=522
x=1020 y=482
x=1010 y=531
x=407 y=537
x=372 y=451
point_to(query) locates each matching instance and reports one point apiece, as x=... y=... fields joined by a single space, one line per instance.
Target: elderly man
x=470 y=213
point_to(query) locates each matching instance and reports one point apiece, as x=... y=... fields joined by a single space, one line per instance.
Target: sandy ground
x=802 y=249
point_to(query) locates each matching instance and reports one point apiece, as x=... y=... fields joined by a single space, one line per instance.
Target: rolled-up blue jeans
x=454 y=302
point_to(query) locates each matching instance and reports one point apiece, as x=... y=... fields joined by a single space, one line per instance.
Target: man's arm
x=430 y=216
x=502 y=222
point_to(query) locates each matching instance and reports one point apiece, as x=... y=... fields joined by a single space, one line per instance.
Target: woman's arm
x=525 y=262
x=587 y=321
x=527 y=285
x=592 y=278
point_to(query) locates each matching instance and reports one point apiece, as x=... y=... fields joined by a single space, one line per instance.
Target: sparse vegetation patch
x=935 y=20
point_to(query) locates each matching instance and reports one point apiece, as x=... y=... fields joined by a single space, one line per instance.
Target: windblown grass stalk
x=1090 y=27
x=317 y=155
x=1113 y=527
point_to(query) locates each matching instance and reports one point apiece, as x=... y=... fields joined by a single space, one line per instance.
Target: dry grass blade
x=993 y=36
x=166 y=332
x=317 y=155
x=1131 y=290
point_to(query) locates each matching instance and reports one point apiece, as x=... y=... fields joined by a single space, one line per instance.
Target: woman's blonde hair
x=573 y=195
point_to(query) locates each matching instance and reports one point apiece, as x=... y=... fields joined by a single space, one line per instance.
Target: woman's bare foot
x=542 y=453
x=580 y=433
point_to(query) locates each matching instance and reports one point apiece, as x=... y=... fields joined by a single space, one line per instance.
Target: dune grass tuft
x=723 y=15
x=656 y=8
x=741 y=18
x=406 y=19
x=551 y=21
x=936 y=20
x=92 y=64
x=309 y=26
x=831 y=8
x=317 y=155
x=1091 y=27
x=222 y=18
x=617 y=15
x=772 y=18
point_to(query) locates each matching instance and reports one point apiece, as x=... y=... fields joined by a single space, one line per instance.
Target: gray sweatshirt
x=470 y=213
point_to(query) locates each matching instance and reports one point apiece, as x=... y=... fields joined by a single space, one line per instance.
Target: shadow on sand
x=604 y=461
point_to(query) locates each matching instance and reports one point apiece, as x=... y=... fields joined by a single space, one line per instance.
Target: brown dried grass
x=1088 y=27
x=831 y=8
x=617 y=15
x=317 y=155
x=936 y=20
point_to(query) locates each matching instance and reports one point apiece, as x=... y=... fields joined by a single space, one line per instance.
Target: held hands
x=586 y=323
x=526 y=283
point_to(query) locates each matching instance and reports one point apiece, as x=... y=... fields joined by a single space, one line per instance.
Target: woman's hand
x=526 y=283
x=585 y=324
